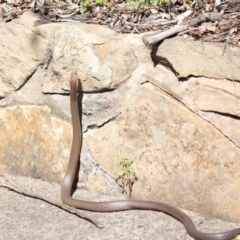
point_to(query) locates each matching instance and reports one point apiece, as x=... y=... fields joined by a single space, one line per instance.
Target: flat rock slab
x=32 y=160
x=19 y=57
x=22 y=217
x=195 y=58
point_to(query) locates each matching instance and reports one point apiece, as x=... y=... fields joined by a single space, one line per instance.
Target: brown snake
x=113 y=206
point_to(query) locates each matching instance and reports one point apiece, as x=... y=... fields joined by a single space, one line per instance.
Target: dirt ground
x=22 y=217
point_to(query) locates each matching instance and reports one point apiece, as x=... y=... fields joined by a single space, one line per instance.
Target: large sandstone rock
x=33 y=143
x=215 y=100
x=196 y=58
x=22 y=51
x=178 y=157
x=102 y=62
x=215 y=95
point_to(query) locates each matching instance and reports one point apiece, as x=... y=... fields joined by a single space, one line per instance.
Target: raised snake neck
x=114 y=206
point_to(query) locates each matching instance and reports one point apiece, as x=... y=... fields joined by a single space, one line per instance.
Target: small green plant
x=84 y=5
x=136 y=4
x=100 y=2
x=87 y=5
x=128 y=176
x=112 y=7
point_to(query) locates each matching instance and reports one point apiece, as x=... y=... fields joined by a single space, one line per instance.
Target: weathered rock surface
x=91 y=54
x=33 y=143
x=42 y=219
x=215 y=100
x=30 y=94
x=175 y=153
x=213 y=95
x=184 y=136
x=30 y=19
x=22 y=51
x=194 y=58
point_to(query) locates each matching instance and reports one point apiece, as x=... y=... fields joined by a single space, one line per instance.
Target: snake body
x=113 y=206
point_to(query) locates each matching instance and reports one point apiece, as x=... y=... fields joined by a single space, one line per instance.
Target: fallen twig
x=156 y=37
x=71 y=210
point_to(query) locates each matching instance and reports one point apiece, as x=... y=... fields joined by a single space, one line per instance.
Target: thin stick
x=156 y=37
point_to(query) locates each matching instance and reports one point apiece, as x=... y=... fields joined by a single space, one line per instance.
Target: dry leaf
x=129 y=27
x=153 y=10
x=233 y=30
